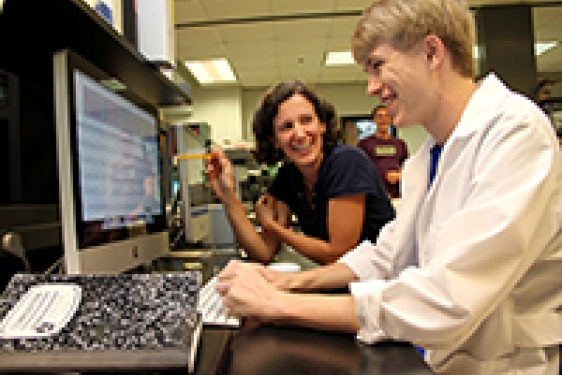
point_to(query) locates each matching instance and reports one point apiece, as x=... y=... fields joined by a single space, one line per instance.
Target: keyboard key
x=210 y=306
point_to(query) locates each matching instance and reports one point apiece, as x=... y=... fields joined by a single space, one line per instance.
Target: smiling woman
x=333 y=190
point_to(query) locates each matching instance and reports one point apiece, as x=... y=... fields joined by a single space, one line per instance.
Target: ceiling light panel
x=211 y=71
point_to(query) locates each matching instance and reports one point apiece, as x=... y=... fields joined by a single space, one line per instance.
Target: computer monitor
x=110 y=173
x=368 y=127
x=363 y=126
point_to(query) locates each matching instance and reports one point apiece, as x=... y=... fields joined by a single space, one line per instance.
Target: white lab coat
x=470 y=269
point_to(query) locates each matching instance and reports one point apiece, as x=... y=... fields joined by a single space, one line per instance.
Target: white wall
x=413 y=136
x=221 y=109
x=352 y=100
x=250 y=100
x=230 y=111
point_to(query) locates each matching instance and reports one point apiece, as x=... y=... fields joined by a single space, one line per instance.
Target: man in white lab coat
x=470 y=268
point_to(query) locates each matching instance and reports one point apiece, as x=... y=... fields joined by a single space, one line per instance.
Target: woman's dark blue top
x=344 y=171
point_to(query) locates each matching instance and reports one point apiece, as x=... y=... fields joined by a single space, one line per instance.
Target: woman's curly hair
x=262 y=124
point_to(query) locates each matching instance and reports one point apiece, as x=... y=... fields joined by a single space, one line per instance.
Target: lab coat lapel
x=476 y=115
x=414 y=190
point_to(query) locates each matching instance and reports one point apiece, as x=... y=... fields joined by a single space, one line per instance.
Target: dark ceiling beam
x=274 y=18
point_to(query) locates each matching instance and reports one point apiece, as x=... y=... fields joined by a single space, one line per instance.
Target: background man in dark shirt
x=388 y=153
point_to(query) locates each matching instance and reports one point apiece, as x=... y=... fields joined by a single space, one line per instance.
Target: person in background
x=333 y=190
x=387 y=152
x=543 y=92
x=469 y=271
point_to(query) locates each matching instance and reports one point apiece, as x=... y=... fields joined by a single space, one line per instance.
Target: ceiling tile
x=299 y=6
x=197 y=35
x=302 y=28
x=264 y=63
x=338 y=44
x=300 y=47
x=188 y=11
x=229 y=9
x=262 y=81
x=335 y=71
x=197 y=44
x=246 y=32
x=256 y=50
x=256 y=72
x=547 y=23
x=355 y=5
x=264 y=39
x=313 y=60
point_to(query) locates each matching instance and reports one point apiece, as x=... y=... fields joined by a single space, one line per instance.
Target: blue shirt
x=435 y=154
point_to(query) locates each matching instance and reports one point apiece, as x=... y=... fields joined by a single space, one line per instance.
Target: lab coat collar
x=477 y=114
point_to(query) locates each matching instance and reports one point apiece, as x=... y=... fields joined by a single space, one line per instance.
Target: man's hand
x=246 y=293
x=393 y=177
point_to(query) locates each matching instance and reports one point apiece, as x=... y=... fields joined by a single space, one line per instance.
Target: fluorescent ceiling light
x=542 y=47
x=475 y=52
x=339 y=58
x=211 y=71
x=346 y=58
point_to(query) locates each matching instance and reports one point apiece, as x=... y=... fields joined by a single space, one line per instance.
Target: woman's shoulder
x=347 y=170
x=347 y=152
x=346 y=159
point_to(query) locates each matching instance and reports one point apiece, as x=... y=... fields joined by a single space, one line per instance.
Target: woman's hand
x=220 y=174
x=265 y=211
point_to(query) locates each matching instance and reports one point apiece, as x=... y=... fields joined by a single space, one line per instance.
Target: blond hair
x=404 y=23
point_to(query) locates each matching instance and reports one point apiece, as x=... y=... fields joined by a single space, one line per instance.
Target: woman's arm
x=259 y=246
x=270 y=209
x=331 y=277
x=345 y=223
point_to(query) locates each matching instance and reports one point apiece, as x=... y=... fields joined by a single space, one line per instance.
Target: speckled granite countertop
x=127 y=313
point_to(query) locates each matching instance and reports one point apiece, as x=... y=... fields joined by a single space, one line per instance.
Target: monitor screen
x=110 y=172
x=355 y=128
x=367 y=127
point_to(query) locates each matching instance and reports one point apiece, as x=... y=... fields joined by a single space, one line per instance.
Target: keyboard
x=211 y=308
x=42 y=311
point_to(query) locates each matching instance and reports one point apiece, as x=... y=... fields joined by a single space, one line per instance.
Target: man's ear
x=434 y=50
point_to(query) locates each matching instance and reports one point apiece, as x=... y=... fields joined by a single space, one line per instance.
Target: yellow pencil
x=192 y=156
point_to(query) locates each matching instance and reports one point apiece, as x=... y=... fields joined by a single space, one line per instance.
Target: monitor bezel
x=113 y=257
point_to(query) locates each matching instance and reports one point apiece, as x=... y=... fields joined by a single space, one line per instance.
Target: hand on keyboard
x=210 y=306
